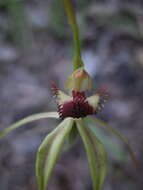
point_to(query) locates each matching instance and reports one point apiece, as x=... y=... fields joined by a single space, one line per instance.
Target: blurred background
x=35 y=49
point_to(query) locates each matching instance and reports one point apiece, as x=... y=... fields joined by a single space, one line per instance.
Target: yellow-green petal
x=92 y=154
x=49 y=151
x=119 y=135
x=101 y=154
x=28 y=119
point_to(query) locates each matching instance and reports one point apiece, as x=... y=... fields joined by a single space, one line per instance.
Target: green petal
x=91 y=153
x=49 y=151
x=115 y=149
x=28 y=119
x=102 y=161
x=102 y=156
x=119 y=135
x=71 y=138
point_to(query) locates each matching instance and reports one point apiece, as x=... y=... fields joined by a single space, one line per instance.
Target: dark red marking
x=76 y=108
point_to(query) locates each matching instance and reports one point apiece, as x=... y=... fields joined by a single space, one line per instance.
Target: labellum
x=78 y=105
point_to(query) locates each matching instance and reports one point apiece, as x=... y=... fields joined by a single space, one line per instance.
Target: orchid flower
x=75 y=113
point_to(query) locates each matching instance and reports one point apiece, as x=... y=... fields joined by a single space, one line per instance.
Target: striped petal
x=49 y=151
x=95 y=153
x=28 y=119
x=120 y=136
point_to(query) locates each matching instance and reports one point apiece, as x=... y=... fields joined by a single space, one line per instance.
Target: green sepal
x=72 y=135
x=28 y=119
x=95 y=153
x=49 y=151
x=71 y=138
x=101 y=155
x=119 y=135
x=79 y=81
x=116 y=149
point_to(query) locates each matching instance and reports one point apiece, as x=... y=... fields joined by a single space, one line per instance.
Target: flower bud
x=79 y=80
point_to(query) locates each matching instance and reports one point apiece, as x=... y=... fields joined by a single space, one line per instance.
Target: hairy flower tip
x=79 y=80
x=103 y=98
x=54 y=89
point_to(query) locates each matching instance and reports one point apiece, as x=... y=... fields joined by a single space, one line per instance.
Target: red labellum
x=77 y=105
x=76 y=108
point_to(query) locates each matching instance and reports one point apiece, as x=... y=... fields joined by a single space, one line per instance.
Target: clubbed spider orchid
x=75 y=112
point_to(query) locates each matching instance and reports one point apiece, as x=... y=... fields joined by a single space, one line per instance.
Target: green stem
x=72 y=21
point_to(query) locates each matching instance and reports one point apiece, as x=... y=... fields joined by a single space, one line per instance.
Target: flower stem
x=72 y=21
